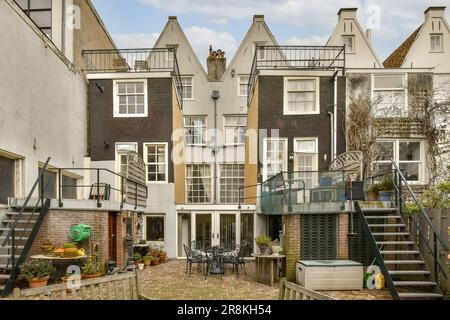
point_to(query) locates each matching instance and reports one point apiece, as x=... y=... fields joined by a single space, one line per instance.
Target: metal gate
x=318 y=237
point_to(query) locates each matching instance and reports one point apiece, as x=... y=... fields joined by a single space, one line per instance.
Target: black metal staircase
x=18 y=232
x=408 y=274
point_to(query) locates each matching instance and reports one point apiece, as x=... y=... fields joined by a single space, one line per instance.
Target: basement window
x=130 y=98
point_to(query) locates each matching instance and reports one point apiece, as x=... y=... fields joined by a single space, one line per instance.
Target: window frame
x=210 y=178
x=265 y=162
x=240 y=83
x=225 y=126
x=192 y=86
x=405 y=108
x=204 y=131
x=159 y=216
x=441 y=42
x=261 y=44
x=28 y=12
x=116 y=110
x=220 y=177
x=347 y=36
x=315 y=160
x=166 y=163
x=286 y=96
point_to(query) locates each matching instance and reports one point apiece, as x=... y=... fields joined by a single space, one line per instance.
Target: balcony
x=295 y=58
x=134 y=61
x=311 y=192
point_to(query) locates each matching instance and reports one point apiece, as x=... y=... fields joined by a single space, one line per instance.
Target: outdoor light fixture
x=233 y=73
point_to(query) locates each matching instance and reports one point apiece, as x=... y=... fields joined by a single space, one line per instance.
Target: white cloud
x=135 y=40
x=310 y=41
x=201 y=38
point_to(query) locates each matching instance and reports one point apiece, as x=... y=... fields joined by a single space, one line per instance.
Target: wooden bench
x=116 y=287
x=292 y=291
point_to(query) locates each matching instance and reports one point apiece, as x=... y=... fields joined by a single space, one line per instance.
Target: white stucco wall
x=40 y=100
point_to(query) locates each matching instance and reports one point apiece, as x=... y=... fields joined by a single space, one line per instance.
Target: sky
x=224 y=23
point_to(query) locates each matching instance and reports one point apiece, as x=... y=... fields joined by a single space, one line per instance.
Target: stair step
x=419 y=295
x=387 y=225
x=386 y=243
x=391 y=233
x=409 y=272
x=3 y=238
x=3 y=266
x=404 y=262
x=384 y=217
x=17 y=229
x=14 y=213
x=401 y=252
x=20 y=221
x=7 y=256
x=2 y=287
x=415 y=284
x=4 y=276
x=370 y=210
x=10 y=247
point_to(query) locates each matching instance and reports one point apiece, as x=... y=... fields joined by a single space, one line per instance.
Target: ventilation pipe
x=215 y=96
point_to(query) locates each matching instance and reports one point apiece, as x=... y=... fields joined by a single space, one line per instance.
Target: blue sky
x=223 y=23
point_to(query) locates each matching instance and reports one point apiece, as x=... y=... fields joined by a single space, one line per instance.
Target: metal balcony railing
x=295 y=58
x=134 y=60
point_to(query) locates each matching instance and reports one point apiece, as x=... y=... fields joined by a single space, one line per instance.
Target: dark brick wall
x=103 y=127
x=271 y=101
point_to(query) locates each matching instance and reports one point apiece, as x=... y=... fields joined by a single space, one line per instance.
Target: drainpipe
x=335 y=113
x=215 y=96
x=63 y=28
x=332 y=134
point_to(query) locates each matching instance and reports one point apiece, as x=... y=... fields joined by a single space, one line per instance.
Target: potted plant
x=326 y=179
x=38 y=272
x=70 y=250
x=263 y=243
x=155 y=261
x=373 y=192
x=138 y=261
x=386 y=189
x=162 y=255
x=148 y=261
x=47 y=247
x=91 y=270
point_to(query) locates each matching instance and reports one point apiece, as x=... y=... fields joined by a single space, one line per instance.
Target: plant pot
x=141 y=266
x=91 y=276
x=155 y=262
x=162 y=257
x=38 y=283
x=386 y=196
x=47 y=248
x=372 y=196
x=147 y=263
x=326 y=182
x=264 y=250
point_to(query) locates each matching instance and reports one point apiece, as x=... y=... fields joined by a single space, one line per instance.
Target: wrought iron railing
x=295 y=58
x=300 y=191
x=135 y=60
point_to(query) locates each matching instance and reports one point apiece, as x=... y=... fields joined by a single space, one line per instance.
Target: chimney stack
x=347 y=13
x=217 y=64
x=369 y=35
x=434 y=12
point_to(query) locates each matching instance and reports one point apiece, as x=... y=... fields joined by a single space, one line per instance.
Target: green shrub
x=387 y=184
x=38 y=269
x=263 y=241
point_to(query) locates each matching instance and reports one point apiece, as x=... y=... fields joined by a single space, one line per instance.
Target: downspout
x=332 y=134
x=63 y=28
x=215 y=96
x=335 y=115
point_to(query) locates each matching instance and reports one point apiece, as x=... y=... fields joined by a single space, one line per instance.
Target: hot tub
x=330 y=275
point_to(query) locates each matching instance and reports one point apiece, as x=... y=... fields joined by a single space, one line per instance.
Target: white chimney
x=347 y=13
x=434 y=12
x=369 y=35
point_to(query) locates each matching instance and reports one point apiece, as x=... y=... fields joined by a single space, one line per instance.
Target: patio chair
x=240 y=259
x=193 y=258
x=215 y=262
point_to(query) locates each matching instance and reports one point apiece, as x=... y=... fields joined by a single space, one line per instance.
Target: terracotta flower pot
x=38 y=283
x=155 y=262
x=162 y=257
x=372 y=196
x=264 y=250
x=91 y=276
x=147 y=263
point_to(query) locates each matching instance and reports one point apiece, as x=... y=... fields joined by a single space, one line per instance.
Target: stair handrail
x=421 y=209
x=33 y=189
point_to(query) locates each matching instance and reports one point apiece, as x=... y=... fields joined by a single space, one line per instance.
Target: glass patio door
x=204 y=229
x=226 y=236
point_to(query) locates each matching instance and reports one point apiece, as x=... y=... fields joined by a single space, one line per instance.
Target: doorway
x=112 y=236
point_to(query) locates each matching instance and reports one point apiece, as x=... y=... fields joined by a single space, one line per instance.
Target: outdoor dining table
x=267 y=271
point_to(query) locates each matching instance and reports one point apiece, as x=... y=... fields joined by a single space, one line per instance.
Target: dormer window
x=436 y=43
x=349 y=43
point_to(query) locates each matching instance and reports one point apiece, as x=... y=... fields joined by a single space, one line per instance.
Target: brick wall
x=291 y=244
x=343 y=236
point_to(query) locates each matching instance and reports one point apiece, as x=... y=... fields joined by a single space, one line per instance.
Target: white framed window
x=130 y=98
x=441 y=87
x=349 y=43
x=188 y=87
x=235 y=128
x=409 y=155
x=198 y=183
x=40 y=11
x=262 y=52
x=436 y=43
x=170 y=55
x=122 y=149
x=390 y=96
x=195 y=130
x=231 y=183
x=156 y=161
x=275 y=157
x=301 y=96
x=243 y=85
x=155 y=230
x=306 y=160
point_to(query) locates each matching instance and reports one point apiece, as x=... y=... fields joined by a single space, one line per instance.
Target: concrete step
x=394 y=262
x=400 y=252
x=415 y=284
x=409 y=272
x=420 y=295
